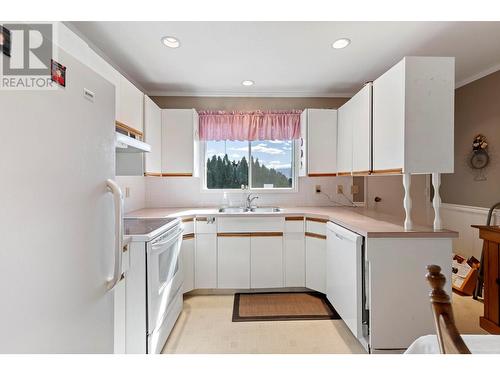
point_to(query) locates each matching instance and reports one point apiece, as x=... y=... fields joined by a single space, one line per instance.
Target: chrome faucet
x=249 y=200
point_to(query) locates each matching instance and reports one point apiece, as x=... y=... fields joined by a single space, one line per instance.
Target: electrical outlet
x=340 y=189
x=127 y=192
x=354 y=189
x=318 y=189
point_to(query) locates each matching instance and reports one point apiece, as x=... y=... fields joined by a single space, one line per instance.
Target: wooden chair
x=449 y=339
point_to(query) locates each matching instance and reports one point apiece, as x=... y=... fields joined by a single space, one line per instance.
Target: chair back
x=449 y=339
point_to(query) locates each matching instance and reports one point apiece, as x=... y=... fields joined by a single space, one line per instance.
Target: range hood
x=124 y=143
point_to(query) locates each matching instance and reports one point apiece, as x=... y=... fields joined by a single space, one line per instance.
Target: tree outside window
x=265 y=164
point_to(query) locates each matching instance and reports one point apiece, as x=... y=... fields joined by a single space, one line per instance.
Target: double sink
x=236 y=210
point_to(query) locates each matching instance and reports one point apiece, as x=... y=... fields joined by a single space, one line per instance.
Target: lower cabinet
x=205 y=261
x=316 y=262
x=294 y=260
x=187 y=251
x=233 y=260
x=267 y=261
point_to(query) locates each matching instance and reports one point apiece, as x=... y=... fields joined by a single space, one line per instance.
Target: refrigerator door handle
x=118 y=203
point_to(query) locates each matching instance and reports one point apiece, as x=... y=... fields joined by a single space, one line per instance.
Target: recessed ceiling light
x=248 y=82
x=171 y=41
x=341 y=43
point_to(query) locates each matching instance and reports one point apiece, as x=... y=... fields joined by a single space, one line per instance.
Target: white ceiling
x=284 y=58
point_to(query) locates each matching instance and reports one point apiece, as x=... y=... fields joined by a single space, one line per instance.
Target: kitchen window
x=260 y=164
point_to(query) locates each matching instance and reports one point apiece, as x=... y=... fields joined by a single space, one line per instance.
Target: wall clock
x=479 y=157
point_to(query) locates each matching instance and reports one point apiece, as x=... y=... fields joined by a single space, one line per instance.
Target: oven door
x=164 y=275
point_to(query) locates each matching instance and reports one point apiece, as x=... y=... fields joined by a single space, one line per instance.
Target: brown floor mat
x=282 y=306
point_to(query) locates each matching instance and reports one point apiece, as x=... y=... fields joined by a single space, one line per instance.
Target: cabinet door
x=321 y=142
x=178 y=142
x=205 y=267
x=360 y=119
x=302 y=155
x=344 y=140
x=152 y=135
x=295 y=262
x=388 y=120
x=187 y=251
x=233 y=259
x=267 y=262
x=130 y=105
x=315 y=263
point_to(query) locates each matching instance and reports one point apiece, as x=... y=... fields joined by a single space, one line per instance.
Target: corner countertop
x=363 y=221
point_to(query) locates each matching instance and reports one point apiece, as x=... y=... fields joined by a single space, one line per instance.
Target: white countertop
x=366 y=222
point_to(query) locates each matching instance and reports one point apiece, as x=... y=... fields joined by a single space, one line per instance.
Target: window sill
x=256 y=191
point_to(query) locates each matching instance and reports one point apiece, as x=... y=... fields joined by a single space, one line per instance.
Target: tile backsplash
x=187 y=192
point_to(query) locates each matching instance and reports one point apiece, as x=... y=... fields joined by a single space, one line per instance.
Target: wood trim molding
x=318 y=220
x=361 y=173
x=128 y=129
x=294 y=218
x=235 y=234
x=188 y=236
x=176 y=175
x=250 y=234
x=157 y=174
x=321 y=174
x=187 y=219
x=343 y=173
x=267 y=234
x=315 y=235
x=387 y=171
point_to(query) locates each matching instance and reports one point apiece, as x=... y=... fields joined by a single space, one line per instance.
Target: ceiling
x=284 y=58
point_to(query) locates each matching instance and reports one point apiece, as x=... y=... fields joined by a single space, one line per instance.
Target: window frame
x=294 y=163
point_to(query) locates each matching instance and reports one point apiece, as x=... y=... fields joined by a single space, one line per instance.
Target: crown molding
x=253 y=94
x=477 y=76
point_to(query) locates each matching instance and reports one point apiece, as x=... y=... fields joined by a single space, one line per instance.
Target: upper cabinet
x=180 y=142
x=129 y=100
x=130 y=105
x=319 y=143
x=361 y=122
x=354 y=134
x=413 y=115
x=152 y=136
x=344 y=140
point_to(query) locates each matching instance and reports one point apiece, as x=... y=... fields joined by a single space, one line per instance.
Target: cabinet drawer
x=251 y=224
x=206 y=224
x=188 y=224
x=316 y=226
x=294 y=224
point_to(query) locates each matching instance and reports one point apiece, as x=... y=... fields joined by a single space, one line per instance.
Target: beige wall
x=390 y=190
x=245 y=104
x=477 y=110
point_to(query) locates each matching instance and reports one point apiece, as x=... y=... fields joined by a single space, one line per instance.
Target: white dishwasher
x=345 y=279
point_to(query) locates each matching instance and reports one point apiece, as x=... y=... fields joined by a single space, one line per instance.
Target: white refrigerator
x=57 y=216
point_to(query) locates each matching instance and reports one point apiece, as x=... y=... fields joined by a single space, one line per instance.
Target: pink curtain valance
x=249 y=126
